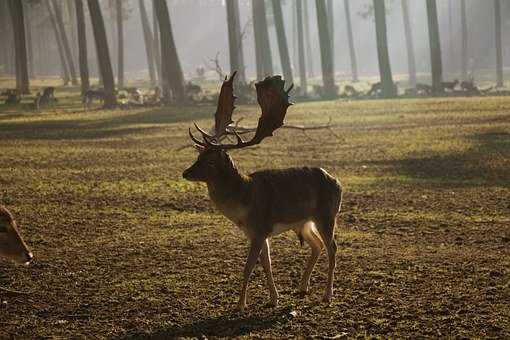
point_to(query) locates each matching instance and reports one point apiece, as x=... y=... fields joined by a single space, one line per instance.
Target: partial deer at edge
x=266 y=203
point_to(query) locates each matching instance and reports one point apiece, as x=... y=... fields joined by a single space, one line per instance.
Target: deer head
x=213 y=161
x=12 y=245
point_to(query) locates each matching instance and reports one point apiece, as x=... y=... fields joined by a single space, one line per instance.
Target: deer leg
x=326 y=230
x=265 y=258
x=253 y=255
x=309 y=234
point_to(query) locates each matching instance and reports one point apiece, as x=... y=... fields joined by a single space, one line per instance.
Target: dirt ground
x=125 y=248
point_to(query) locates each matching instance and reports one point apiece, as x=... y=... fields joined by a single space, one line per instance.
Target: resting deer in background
x=12 y=245
x=266 y=203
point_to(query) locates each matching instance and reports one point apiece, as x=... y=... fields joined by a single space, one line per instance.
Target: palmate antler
x=273 y=100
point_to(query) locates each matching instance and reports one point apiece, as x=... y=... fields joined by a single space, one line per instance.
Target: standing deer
x=267 y=203
x=12 y=245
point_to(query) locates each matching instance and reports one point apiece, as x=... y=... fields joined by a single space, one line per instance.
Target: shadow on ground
x=220 y=326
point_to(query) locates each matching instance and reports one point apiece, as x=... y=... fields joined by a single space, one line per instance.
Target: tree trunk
x=411 y=66
x=301 y=48
x=235 y=42
x=464 y=39
x=63 y=61
x=149 y=42
x=328 y=76
x=65 y=41
x=82 y=46
x=435 y=47
x=257 y=31
x=331 y=29
x=103 y=53
x=499 y=50
x=282 y=41
x=388 y=88
x=28 y=29
x=308 y=42
x=352 y=50
x=451 y=46
x=172 y=73
x=265 y=47
x=157 y=44
x=22 y=82
x=120 y=38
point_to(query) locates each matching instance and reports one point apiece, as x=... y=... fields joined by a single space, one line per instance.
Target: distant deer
x=267 y=203
x=449 y=85
x=12 y=245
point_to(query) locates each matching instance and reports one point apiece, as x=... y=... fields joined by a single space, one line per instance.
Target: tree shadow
x=484 y=164
x=220 y=326
x=73 y=129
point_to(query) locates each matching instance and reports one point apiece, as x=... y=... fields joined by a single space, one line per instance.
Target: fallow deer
x=267 y=203
x=12 y=245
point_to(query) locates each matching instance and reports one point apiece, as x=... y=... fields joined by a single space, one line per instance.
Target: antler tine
x=205 y=135
x=196 y=141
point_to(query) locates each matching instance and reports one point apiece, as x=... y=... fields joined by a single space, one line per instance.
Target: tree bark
x=328 y=76
x=411 y=65
x=173 y=77
x=435 y=47
x=120 y=38
x=308 y=42
x=65 y=42
x=235 y=42
x=331 y=29
x=149 y=42
x=301 y=48
x=388 y=88
x=82 y=46
x=352 y=50
x=157 y=44
x=103 y=53
x=22 y=82
x=464 y=38
x=282 y=41
x=28 y=29
x=499 y=50
x=63 y=61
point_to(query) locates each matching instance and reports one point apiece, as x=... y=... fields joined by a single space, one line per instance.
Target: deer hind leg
x=265 y=259
x=310 y=235
x=326 y=228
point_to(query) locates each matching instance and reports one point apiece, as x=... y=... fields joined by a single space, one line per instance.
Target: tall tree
x=308 y=42
x=103 y=53
x=451 y=45
x=328 y=76
x=301 y=48
x=82 y=46
x=22 y=82
x=65 y=41
x=464 y=33
x=173 y=77
x=63 y=61
x=28 y=30
x=157 y=45
x=262 y=46
x=435 y=47
x=388 y=88
x=352 y=50
x=282 y=41
x=149 y=41
x=331 y=29
x=411 y=66
x=235 y=42
x=120 y=41
x=499 y=50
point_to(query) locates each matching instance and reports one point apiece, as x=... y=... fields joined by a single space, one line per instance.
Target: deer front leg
x=253 y=255
x=265 y=258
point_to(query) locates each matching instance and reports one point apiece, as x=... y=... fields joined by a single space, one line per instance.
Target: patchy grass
x=126 y=248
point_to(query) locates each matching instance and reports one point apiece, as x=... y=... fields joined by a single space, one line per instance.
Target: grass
x=126 y=248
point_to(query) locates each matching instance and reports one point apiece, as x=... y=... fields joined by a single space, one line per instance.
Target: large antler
x=274 y=102
x=223 y=115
